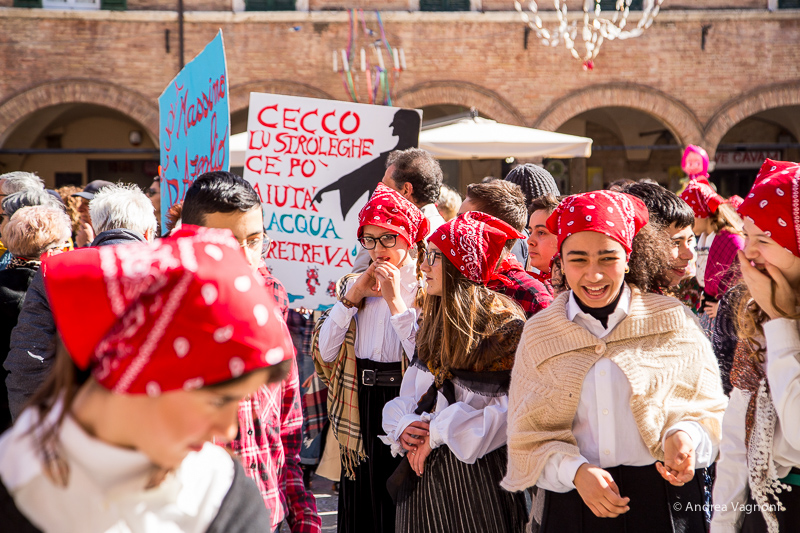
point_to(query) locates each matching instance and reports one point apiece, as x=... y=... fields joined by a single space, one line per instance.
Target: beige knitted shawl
x=667 y=359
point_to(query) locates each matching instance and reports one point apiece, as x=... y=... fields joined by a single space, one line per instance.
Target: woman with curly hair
x=450 y=417
x=615 y=401
x=759 y=461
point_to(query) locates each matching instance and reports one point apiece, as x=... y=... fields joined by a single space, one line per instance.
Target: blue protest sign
x=194 y=124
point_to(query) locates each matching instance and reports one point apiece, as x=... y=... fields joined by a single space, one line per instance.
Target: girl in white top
x=159 y=346
x=381 y=306
x=451 y=413
x=758 y=476
x=615 y=397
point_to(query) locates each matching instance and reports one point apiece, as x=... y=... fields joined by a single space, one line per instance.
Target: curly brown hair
x=71 y=204
x=750 y=319
x=649 y=263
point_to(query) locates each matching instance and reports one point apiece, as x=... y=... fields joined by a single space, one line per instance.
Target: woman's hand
x=760 y=286
x=414 y=434
x=679 y=459
x=599 y=492
x=417 y=458
x=366 y=285
x=388 y=277
x=711 y=309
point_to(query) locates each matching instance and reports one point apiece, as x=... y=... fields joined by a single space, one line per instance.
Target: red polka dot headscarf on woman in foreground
x=181 y=313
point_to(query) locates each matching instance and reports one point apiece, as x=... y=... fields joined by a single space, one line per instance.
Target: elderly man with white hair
x=121 y=214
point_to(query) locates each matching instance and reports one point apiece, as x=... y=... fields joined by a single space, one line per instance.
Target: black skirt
x=456 y=497
x=655 y=506
x=364 y=503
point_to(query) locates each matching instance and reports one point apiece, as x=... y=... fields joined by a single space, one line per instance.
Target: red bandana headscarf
x=701 y=198
x=180 y=313
x=615 y=214
x=473 y=242
x=388 y=209
x=774 y=203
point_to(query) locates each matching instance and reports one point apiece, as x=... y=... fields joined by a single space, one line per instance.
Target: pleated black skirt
x=655 y=506
x=364 y=503
x=455 y=497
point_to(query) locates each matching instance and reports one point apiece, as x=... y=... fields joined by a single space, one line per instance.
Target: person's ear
x=408 y=191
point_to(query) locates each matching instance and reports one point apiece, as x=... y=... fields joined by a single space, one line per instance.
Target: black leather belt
x=384 y=378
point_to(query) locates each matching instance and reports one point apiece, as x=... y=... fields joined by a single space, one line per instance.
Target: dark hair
x=501 y=199
x=217 y=192
x=421 y=170
x=649 y=263
x=619 y=184
x=666 y=207
x=548 y=202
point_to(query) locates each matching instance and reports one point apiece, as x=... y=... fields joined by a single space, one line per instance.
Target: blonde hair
x=449 y=203
x=31 y=231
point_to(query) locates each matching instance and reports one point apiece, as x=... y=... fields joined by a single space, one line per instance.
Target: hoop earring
x=627 y=269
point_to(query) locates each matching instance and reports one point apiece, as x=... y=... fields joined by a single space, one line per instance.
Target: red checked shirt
x=269 y=442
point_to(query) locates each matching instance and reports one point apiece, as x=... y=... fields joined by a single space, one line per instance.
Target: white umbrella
x=480 y=138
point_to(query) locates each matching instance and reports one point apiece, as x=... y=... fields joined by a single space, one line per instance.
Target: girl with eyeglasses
x=450 y=418
x=361 y=349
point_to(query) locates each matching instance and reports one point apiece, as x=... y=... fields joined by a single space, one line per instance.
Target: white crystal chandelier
x=597 y=25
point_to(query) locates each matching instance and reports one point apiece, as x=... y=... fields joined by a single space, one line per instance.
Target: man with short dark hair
x=270 y=420
x=505 y=201
x=675 y=218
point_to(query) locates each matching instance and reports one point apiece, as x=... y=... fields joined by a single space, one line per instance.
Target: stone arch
x=460 y=93
x=73 y=91
x=679 y=119
x=240 y=94
x=748 y=104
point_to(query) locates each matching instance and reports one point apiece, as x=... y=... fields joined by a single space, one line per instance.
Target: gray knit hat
x=534 y=181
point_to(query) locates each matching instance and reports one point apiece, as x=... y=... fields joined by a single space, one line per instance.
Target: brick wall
x=472 y=60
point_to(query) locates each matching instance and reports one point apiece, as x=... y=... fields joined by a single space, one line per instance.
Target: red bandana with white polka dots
x=180 y=313
x=774 y=203
x=473 y=242
x=615 y=214
x=701 y=198
x=388 y=209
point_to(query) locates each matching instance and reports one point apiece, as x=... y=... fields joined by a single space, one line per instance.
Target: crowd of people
x=518 y=360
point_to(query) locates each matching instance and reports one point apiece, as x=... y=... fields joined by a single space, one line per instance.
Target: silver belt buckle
x=369 y=377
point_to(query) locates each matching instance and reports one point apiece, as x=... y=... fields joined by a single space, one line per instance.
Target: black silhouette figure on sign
x=406 y=124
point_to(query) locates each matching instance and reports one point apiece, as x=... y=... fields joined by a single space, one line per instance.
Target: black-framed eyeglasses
x=388 y=240
x=431 y=255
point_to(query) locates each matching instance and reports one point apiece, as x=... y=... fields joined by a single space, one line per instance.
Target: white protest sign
x=314 y=164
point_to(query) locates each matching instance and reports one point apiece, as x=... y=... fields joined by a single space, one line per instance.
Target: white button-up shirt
x=604 y=425
x=379 y=335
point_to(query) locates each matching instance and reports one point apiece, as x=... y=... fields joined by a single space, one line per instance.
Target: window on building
x=788 y=4
x=269 y=5
x=444 y=5
x=113 y=5
x=611 y=5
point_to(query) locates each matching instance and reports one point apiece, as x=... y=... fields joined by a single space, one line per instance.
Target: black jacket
x=33 y=340
x=13 y=286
